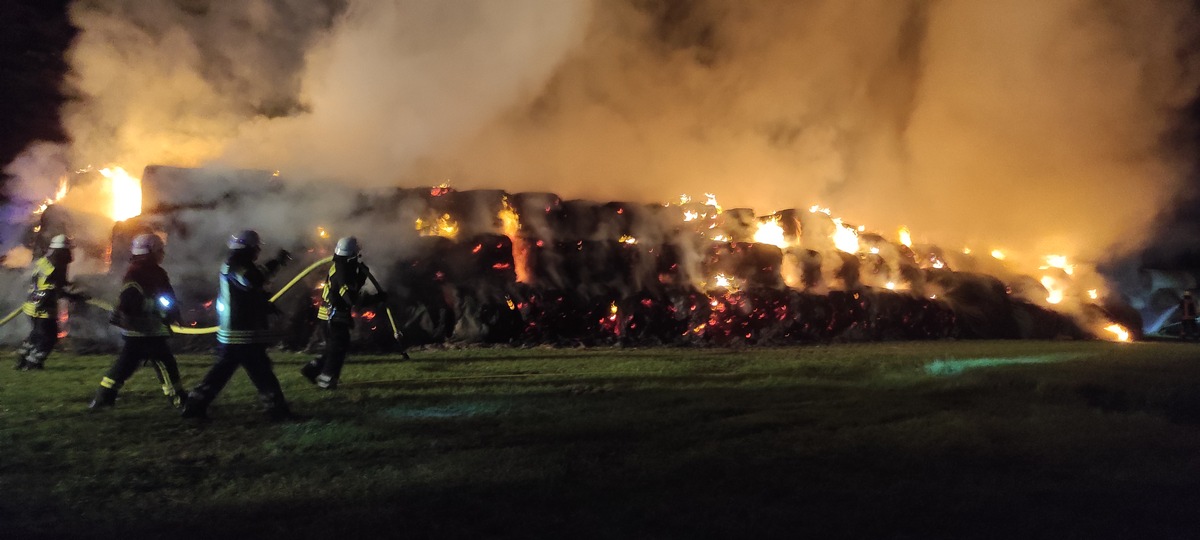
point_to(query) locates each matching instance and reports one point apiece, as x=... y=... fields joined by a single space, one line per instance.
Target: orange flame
x=510 y=221
x=126 y=193
x=770 y=232
x=1119 y=333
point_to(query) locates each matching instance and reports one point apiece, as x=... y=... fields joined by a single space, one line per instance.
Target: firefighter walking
x=48 y=283
x=145 y=310
x=243 y=334
x=341 y=292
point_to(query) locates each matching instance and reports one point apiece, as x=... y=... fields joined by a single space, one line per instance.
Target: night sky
x=34 y=36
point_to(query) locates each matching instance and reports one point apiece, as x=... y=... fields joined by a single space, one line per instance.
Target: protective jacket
x=341 y=290
x=147 y=303
x=47 y=282
x=243 y=306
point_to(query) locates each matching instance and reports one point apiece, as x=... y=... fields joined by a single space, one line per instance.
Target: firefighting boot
x=311 y=370
x=106 y=396
x=21 y=353
x=277 y=409
x=195 y=406
x=36 y=360
x=326 y=382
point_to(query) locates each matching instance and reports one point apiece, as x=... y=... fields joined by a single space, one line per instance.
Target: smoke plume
x=1033 y=123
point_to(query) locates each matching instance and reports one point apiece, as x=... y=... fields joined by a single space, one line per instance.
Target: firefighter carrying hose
x=243 y=335
x=145 y=310
x=342 y=290
x=48 y=284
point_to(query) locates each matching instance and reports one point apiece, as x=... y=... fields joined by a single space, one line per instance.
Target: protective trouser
x=252 y=357
x=326 y=370
x=43 y=335
x=136 y=349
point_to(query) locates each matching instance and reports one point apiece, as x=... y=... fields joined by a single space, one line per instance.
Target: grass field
x=894 y=440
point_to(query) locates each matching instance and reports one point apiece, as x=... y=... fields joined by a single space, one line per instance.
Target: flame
x=712 y=201
x=1060 y=262
x=126 y=193
x=440 y=189
x=684 y=199
x=689 y=215
x=445 y=226
x=998 y=255
x=966 y=251
x=1093 y=294
x=58 y=195
x=891 y=285
x=322 y=233
x=845 y=238
x=627 y=239
x=770 y=232
x=905 y=237
x=1119 y=332
x=1055 y=290
x=817 y=208
x=511 y=223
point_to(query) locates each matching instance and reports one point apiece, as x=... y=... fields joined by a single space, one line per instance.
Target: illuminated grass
x=907 y=440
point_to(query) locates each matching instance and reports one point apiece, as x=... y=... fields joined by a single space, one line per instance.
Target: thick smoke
x=1028 y=123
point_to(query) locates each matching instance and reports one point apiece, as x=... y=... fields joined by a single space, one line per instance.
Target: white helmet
x=60 y=241
x=346 y=247
x=145 y=244
x=246 y=239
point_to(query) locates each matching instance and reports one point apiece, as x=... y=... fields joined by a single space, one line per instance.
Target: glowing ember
x=966 y=251
x=845 y=238
x=626 y=239
x=440 y=189
x=1119 y=332
x=905 y=237
x=817 y=208
x=721 y=281
x=1093 y=294
x=684 y=199
x=126 y=193
x=770 y=232
x=321 y=233
x=891 y=285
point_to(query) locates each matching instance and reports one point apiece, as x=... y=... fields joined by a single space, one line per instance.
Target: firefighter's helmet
x=246 y=239
x=347 y=247
x=145 y=244
x=60 y=241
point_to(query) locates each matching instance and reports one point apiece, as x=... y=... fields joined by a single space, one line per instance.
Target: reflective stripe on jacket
x=341 y=290
x=47 y=282
x=243 y=306
x=142 y=300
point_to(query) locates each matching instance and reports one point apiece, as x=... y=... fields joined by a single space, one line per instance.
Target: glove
x=283 y=257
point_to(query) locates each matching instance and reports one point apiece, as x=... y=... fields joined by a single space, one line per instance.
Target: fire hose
x=209 y=329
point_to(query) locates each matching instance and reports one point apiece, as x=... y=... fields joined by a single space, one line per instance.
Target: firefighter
x=342 y=290
x=145 y=310
x=48 y=284
x=243 y=334
x=1187 y=317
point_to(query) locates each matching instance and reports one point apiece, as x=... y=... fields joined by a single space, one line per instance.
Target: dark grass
x=897 y=440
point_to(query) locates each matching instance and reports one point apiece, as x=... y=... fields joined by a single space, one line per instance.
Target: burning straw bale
x=486 y=266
